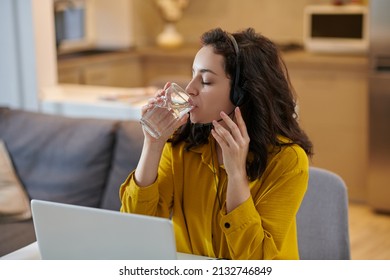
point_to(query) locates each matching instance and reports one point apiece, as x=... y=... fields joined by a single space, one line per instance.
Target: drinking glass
x=163 y=115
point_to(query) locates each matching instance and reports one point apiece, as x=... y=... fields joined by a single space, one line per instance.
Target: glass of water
x=170 y=108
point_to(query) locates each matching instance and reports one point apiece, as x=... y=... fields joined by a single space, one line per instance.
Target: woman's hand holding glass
x=166 y=112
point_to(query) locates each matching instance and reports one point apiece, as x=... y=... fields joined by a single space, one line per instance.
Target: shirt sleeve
x=155 y=199
x=135 y=199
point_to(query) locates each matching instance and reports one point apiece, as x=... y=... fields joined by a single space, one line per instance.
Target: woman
x=234 y=172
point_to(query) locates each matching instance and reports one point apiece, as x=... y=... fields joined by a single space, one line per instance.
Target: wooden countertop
x=326 y=61
x=293 y=58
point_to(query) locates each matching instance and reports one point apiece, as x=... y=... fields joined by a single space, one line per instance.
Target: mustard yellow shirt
x=263 y=227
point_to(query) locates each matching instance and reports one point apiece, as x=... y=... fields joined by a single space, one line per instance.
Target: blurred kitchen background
x=102 y=58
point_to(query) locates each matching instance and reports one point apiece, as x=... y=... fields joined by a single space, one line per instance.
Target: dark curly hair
x=269 y=105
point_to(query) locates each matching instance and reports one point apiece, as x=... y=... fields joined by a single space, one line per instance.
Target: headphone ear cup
x=237 y=96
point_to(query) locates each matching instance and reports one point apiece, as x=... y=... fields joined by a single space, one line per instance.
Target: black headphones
x=236 y=94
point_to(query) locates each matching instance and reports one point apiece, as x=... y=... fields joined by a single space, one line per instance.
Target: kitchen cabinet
x=117 y=69
x=133 y=68
x=333 y=109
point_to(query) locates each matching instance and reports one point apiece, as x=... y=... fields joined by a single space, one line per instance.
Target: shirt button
x=227 y=225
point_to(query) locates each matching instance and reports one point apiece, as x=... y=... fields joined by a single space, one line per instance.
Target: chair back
x=322 y=220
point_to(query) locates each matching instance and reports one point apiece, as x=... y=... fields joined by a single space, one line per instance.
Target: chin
x=196 y=120
x=193 y=118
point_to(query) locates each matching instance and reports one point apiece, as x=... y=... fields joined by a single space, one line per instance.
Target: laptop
x=65 y=231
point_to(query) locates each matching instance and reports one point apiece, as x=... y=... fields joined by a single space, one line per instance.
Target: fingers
x=240 y=122
x=222 y=135
x=217 y=136
x=152 y=101
x=235 y=133
x=167 y=85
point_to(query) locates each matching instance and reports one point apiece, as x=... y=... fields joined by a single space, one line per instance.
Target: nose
x=191 y=89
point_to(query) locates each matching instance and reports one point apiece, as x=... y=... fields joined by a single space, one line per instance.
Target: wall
x=17 y=57
x=27 y=52
x=279 y=20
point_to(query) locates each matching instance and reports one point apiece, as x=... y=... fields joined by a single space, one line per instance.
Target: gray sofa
x=70 y=160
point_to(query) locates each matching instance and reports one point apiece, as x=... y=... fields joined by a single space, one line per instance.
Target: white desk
x=94 y=101
x=31 y=252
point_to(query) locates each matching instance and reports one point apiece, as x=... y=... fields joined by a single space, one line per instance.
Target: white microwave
x=336 y=29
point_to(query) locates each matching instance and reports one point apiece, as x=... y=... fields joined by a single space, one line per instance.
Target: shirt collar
x=207 y=152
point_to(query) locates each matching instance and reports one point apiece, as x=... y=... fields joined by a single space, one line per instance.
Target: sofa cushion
x=58 y=158
x=126 y=155
x=14 y=202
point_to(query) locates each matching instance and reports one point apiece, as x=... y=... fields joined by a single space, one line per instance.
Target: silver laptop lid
x=67 y=231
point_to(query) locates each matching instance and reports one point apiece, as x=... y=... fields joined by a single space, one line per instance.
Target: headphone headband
x=236 y=94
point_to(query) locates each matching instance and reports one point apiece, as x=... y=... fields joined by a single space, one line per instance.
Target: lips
x=192 y=103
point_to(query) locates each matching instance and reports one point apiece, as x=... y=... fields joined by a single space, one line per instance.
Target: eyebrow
x=205 y=70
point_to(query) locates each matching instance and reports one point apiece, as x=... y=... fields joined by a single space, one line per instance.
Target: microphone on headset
x=210 y=124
